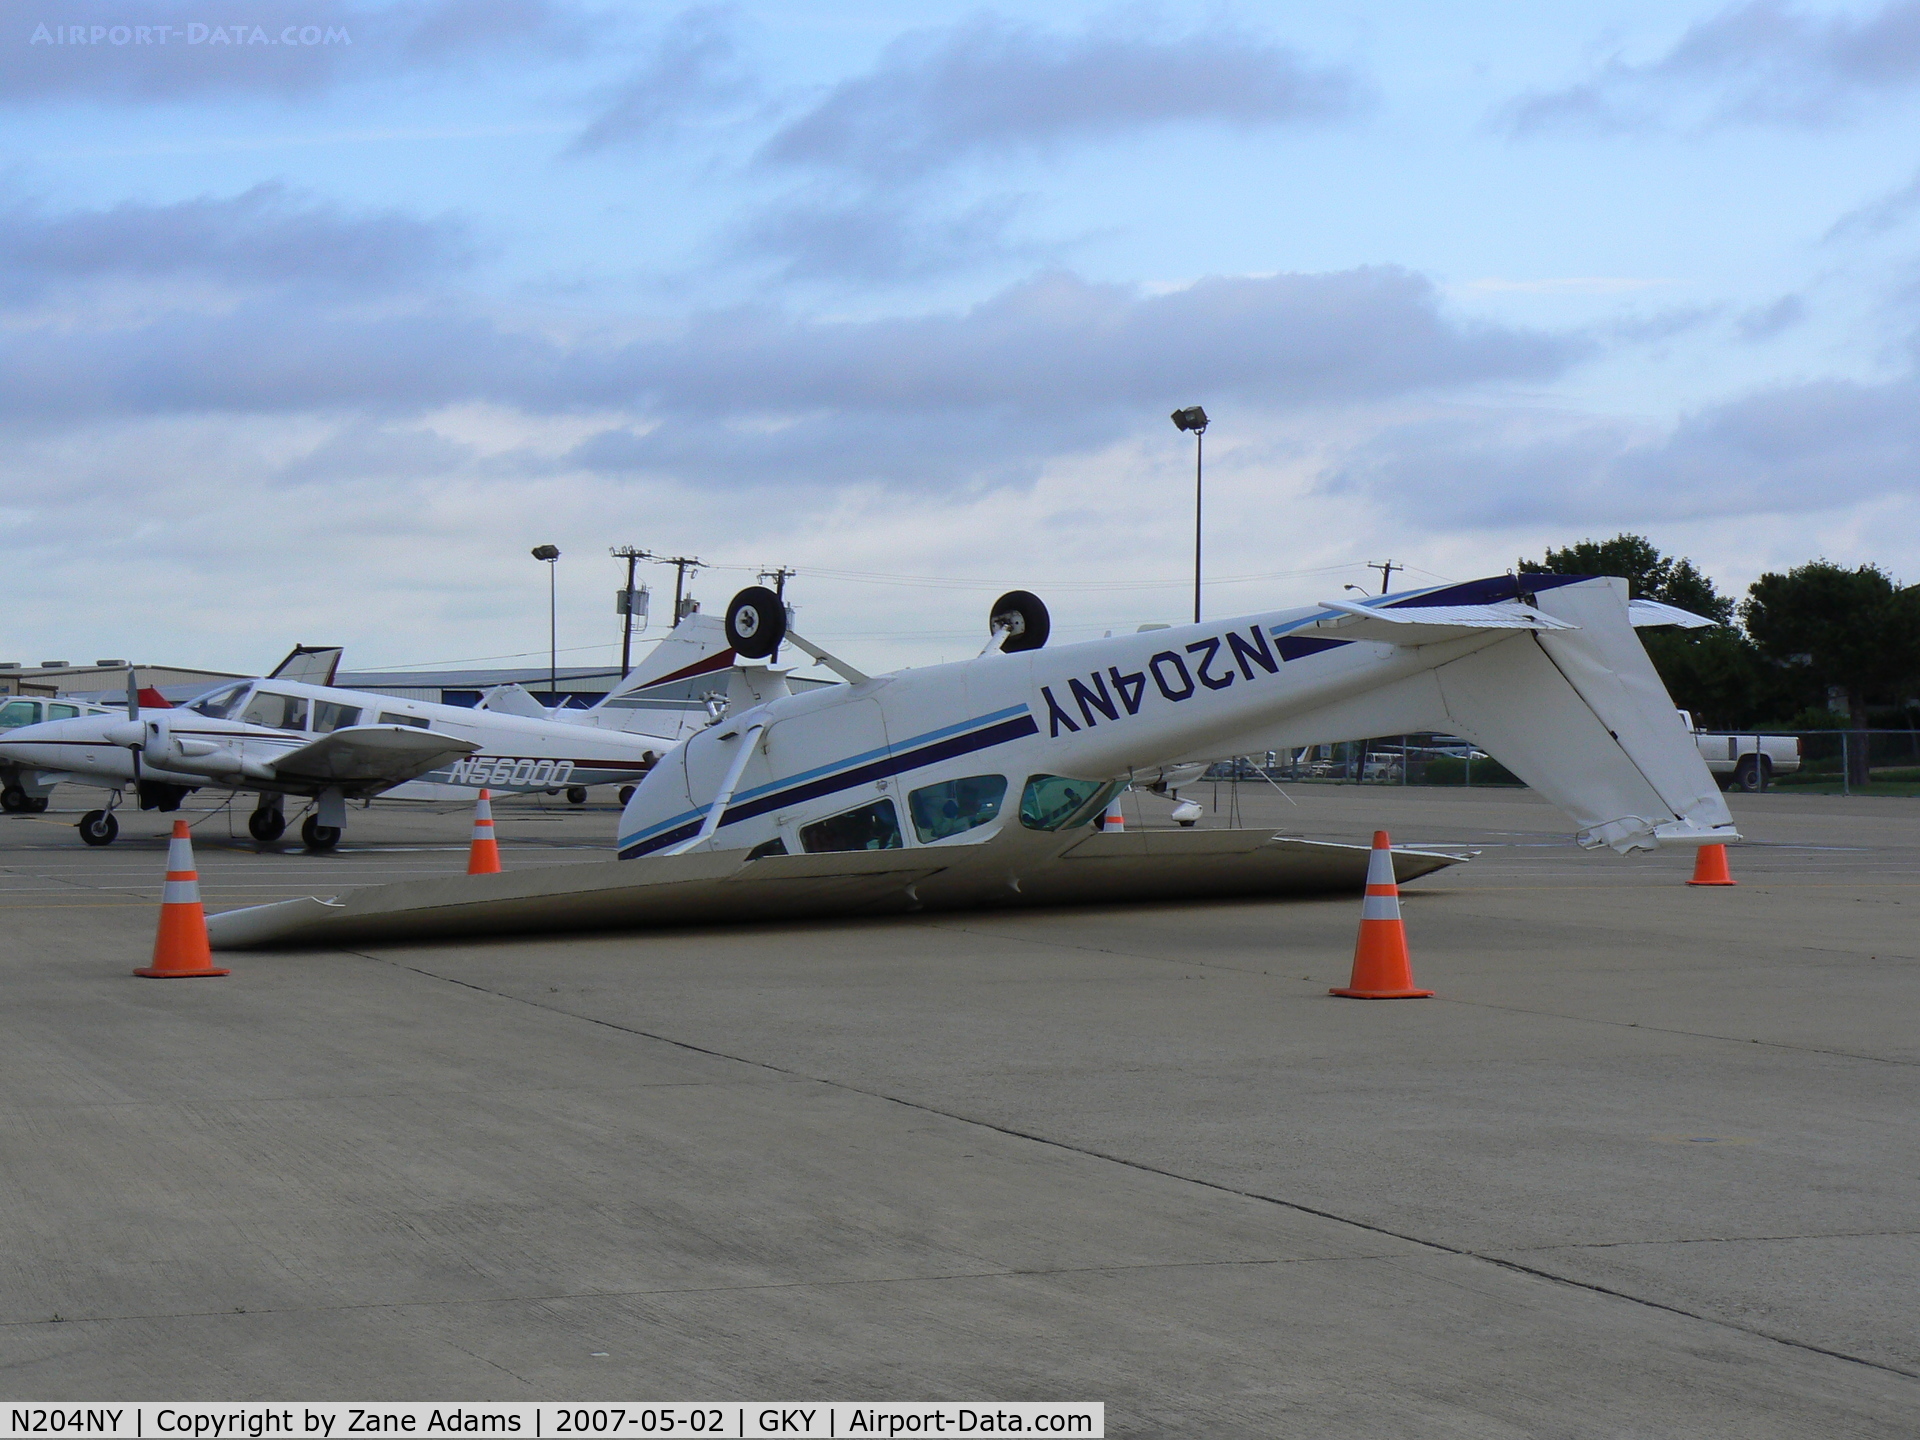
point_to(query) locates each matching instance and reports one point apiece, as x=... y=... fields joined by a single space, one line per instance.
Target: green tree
x=1855 y=630
x=1712 y=672
x=1649 y=574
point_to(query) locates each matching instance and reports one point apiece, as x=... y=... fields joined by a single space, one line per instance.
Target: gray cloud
x=285 y=48
x=991 y=86
x=265 y=235
x=878 y=238
x=695 y=67
x=1758 y=61
x=1790 y=449
x=1879 y=214
x=1054 y=363
x=1763 y=322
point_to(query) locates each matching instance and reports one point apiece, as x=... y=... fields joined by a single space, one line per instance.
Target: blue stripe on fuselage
x=929 y=748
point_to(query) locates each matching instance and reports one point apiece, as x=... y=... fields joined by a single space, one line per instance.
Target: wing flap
x=371 y=755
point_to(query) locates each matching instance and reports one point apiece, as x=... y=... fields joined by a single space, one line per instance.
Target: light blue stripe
x=979 y=721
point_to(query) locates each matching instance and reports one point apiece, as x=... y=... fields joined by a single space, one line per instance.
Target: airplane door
x=819 y=757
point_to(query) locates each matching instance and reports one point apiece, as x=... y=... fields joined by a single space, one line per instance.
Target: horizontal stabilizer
x=514 y=700
x=376 y=756
x=1644 y=613
x=1431 y=624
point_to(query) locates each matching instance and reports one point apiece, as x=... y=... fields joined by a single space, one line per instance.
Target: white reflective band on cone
x=1380 y=907
x=180 y=854
x=1380 y=868
x=180 y=892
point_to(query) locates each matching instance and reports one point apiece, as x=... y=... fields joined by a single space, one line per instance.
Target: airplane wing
x=370 y=756
x=1429 y=624
x=1643 y=613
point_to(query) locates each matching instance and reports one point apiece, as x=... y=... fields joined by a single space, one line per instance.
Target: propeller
x=139 y=745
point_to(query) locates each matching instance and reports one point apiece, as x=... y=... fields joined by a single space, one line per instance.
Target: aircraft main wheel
x=316 y=836
x=267 y=826
x=626 y=793
x=97 y=827
x=576 y=794
x=1023 y=615
x=14 y=800
x=39 y=807
x=756 y=622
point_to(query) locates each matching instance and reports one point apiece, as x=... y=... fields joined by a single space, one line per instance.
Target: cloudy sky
x=315 y=316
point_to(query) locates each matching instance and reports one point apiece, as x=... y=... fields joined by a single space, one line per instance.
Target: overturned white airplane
x=983 y=782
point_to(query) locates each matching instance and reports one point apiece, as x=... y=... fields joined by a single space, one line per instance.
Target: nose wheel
x=318 y=837
x=98 y=827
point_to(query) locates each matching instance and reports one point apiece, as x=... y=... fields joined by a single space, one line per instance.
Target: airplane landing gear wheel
x=318 y=837
x=1023 y=615
x=266 y=826
x=14 y=800
x=39 y=807
x=576 y=794
x=97 y=827
x=626 y=793
x=756 y=622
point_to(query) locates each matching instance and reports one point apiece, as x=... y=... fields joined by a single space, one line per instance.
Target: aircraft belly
x=709 y=887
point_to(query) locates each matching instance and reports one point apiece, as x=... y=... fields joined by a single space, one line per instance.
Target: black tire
x=39 y=807
x=318 y=837
x=756 y=622
x=266 y=826
x=576 y=794
x=626 y=793
x=1748 y=776
x=14 y=800
x=98 y=827
x=1024 y=616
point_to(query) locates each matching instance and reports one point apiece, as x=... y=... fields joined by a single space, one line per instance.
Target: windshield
x=220 y=704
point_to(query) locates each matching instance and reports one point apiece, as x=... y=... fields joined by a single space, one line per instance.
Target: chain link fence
x=1835 y=762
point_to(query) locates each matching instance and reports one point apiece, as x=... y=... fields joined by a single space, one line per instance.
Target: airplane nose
x=127 y=732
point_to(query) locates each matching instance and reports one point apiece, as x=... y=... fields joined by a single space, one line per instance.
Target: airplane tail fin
x=693 y=650
x=1581 y=716
x=308 y=664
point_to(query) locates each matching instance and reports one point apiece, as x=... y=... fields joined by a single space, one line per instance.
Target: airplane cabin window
x=872 y=827
x=63 y=712
x=775 y=846
x=16 y=713
x=955 y=807
x=387 y=717
x=1056 y=802
x=221 y=703
x=328 y=717
x=281 y=712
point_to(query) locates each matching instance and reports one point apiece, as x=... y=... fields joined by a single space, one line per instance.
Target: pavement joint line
x=1716 y=1240
x=1002 y=1272
x=925 y=1108
x=1669 y=1030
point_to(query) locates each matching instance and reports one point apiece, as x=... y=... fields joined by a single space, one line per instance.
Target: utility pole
x=681 y=565
x=1386 y=569
x=779 y=576
x=632 y=557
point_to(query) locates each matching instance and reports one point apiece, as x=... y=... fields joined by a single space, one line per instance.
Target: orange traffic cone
x=180 y=950
x=483 y=856
x=1381 y=967
x=1114 y=819
x=1710 y=867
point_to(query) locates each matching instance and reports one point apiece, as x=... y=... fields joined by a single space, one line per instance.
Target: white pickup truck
x=1745 y=762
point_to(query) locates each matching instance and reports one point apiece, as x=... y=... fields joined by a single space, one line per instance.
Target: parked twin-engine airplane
x=282 y=736
x=983 y=782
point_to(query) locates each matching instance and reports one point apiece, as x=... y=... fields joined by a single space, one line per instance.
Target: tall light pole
x=1195 y=419
x=551 y=554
